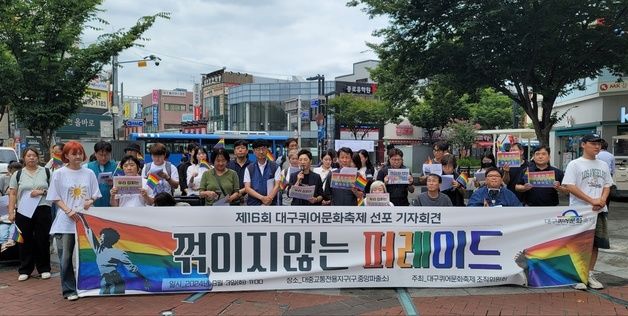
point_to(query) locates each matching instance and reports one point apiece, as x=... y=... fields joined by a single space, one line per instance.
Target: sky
x=270 y=38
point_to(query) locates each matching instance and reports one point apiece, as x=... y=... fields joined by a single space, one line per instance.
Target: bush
x=469 y=162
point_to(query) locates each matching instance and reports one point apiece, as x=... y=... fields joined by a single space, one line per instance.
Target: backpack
x=19 y=174
x=168 y=171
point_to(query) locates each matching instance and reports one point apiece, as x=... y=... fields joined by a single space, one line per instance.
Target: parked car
x=7 y=155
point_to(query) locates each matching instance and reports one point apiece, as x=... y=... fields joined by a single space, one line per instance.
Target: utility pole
x=115 y=102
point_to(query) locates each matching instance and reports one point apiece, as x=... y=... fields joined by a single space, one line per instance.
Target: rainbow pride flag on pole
x=360 y=182
x=220 y=144
x=204 y=164
x=463 y=179
x=282 y=182
x=559 y=262
x=361 y=202
x=16 y=234
x=269 y=155
x=152 y=181
x=57 y=161
x=149 y=260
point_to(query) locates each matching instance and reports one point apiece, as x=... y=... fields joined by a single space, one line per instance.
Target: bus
x=176 y=142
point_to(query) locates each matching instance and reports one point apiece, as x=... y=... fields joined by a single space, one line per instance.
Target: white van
x=7 y=155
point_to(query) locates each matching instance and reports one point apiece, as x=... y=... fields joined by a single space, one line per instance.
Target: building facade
x=215 y=95
x=165 y=110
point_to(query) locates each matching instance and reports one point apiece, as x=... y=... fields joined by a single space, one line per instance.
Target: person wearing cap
x=135 y=150
x=261 y=179
x=588 y=181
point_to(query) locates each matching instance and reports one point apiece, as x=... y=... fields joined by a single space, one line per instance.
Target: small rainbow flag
x=57 y=162
x=360 y=182
x=152 y=181
x=562 y=261
x=282 y=182
x=463 y=179
x=361 y=202
x=16 y=235
x=269 y=155
x=118 y=172
x=151 y=251
x=220 y=144
x=204 y=164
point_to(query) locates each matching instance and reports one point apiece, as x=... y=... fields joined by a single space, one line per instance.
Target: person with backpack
x=32 y=215
x=103 y=167
x=182 y=168
x=166 y=174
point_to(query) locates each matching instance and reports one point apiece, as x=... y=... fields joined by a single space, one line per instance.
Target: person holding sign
x=220 y=185
x=305 y=178
x=398 y=192
x=104 y=168
x=343 y=197
x=131 y=167
x=167 y=175
x=514 y=173
x=27 y=190
x=433 y=196
x=196 y=170
x=377 y=188
x=456 y=192
x=544 y=195
x=494 y=193
x=261 y=179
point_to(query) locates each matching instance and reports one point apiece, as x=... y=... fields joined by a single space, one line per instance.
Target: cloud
x=273 y=38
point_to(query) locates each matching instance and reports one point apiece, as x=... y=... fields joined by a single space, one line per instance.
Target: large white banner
x=185 y=249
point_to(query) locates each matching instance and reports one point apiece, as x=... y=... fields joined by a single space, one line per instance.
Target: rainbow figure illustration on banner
x=220 y=144
x=145 y=257
x=559 y=262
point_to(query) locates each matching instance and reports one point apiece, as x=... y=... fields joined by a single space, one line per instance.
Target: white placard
x=448 y=180
x=434 y=168
x=28 y=204
x=398 y=176
x=304 y=192
x=377 y=199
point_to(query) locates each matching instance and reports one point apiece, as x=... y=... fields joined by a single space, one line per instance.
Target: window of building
x=175 y=107
x=190 y=108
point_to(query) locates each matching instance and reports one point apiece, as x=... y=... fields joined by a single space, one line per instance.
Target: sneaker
x=594 y=283
x=73 y=297
x=580 y=286
x=23 y=277
x=45 y=276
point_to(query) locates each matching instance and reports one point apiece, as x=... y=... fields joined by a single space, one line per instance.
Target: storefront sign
x=155 y=117
x=98 y=99
x=608 y=87
x=368 y=133
x=155 y=96
x=356 y=87
x=404 y=130
x=173 y=93
x=623 y=116
x=134 y=123
x=83 y=124
x=305 y=247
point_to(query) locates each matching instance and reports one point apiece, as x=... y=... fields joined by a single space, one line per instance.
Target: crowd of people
x=46 y=201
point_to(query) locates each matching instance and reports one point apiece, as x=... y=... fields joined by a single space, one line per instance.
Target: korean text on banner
x=272 y=248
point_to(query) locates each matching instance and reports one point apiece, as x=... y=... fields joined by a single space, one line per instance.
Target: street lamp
x=321 y=93
x=114 y=80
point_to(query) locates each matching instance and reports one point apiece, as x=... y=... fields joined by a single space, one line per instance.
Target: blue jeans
x=65 y=250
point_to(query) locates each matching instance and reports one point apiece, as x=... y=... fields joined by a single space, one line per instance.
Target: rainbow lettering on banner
x=463 y=179
x=220 y=144
x=146 y=260
x=269 y=155
x=57 y=162
x=204 y=164
x=152 y=181
x=562 y=261
x=360 y=182
x=16 y=235
x=512 y=158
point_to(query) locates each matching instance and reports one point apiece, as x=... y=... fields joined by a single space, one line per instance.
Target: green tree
x=359 y=115
x=524 y=49
x=41 y=54
x=492 y=110
x=462 y=135
x=438 y=106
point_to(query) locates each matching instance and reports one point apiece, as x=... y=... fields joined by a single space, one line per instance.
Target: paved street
x=42 y=297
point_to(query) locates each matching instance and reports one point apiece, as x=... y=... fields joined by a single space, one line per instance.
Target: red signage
x=404 y=130
x=197 y=113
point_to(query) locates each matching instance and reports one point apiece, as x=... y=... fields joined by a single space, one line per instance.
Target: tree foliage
x=359 y=115
x=438 y=106
x=462 y=135
x=43 y=62
x=492 y=110
x=523 y=49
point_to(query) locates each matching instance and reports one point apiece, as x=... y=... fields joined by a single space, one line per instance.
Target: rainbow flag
x=150 y=250
x=563 y=261
x=269 y=155
x=360 y=182
x=16 y=234
x=463 y=179
x=282 y=182
x=57 y=161
x=220 y=144
x=152 y=181
x=204 y=164
x=361 y=202
x=119 y=172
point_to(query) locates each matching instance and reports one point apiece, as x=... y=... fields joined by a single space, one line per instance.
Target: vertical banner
x=272 y=248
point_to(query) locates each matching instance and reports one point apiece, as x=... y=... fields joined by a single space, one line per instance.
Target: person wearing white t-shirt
x=73 y=189
x=164 y=170
x=195 y=171
x=131 y=165
x=588 y=181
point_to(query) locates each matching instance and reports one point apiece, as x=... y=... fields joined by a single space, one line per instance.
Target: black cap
x=133 y=147
x=260 y=143
x=594 y=138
